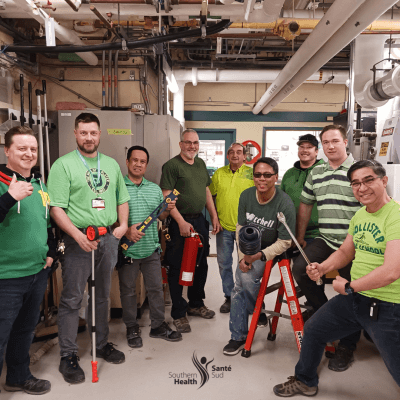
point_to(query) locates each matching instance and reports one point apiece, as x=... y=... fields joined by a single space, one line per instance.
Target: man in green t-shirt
x=227 y=184
x=259 y=206
x=189 y=176
x=87 y=188
x=371 y=299
x=144 y=254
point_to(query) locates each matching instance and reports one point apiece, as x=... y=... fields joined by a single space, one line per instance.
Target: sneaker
x=70 y=369
x=342 y=359
x=202 y=312
x=165 y=332
x=182 y=325
x=262 y=321
x=294 y=386
x=233 y=347
x=31 y=386
x=226 y=307
x=110 y=354
x=133 y=337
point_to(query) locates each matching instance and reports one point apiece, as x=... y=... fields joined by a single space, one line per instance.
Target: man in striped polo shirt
x=144 y=255
x=328 y=186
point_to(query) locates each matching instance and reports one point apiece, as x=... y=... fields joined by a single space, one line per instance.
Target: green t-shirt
x=371 y=232
x=23 y=234
x=227 y=187
x=71 y=188
x=265 y=216
x=190 y=180
x=144 y=199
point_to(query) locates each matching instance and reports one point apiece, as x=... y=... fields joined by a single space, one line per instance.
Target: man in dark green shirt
x=188 y=174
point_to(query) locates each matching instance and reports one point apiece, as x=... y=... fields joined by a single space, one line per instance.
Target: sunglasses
x=258 y=175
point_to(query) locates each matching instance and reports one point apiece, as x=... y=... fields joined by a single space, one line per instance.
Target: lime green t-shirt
x=70 y=186
x=371 y=232
x=227 y=186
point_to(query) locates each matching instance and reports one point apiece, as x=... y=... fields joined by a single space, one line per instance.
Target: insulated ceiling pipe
x=364 y=16
x=329 y=24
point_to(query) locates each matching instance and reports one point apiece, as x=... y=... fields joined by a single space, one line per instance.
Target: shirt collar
x=130 y=183
x=346 y=164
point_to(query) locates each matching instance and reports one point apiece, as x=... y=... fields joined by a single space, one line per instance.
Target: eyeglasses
x=84 y=133
x=258 y=175
x=368 y=182
x=189 y=143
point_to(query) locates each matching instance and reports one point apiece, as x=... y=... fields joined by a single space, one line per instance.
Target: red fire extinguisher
x=189 y=258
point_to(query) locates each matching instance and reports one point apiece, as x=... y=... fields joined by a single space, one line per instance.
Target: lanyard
x=95 y=182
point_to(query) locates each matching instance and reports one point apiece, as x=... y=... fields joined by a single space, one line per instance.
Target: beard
x=84 y=150
x=189 y=155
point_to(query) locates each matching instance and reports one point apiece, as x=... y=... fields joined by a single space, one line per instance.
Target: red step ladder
x=285 y=286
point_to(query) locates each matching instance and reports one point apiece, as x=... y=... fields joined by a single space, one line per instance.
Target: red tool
x=189 y=258
x=5 y=179
x=94 y=233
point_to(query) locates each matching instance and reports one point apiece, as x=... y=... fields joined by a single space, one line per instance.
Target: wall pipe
x=116 y=79
x=160 y=86
x=110 y=78
x=351 y=98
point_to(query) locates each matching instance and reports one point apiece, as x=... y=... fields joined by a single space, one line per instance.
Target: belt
x=109 y=230
x=191 y=216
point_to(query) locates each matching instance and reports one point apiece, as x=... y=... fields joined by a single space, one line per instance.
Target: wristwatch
x=263 y=258
x=348 y=289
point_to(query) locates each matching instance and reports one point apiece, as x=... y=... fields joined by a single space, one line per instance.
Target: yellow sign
x=384 y=149
x=119 y=131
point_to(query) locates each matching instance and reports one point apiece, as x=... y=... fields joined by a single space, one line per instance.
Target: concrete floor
x=149 y=372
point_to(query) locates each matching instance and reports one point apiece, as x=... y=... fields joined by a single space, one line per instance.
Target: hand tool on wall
x=282 y=219
x=94 y=233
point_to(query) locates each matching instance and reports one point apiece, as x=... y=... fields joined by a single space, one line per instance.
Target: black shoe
x=70 y=369
x=133 y=336
x=165 y=332
x=226 y=307
x=262 y=321
x=233 y=347
x=111 y=355
x=342 y=359
x=31 y=386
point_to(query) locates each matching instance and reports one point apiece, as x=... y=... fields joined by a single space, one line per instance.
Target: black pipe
x=30 y=121
x=358 y=123
x=220 y=26
x=21 y=88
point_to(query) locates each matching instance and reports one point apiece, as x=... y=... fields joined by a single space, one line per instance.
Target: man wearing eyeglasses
x=227 y=184
x=259 y=206
x=188 y=174
x=328 y=186
x=87 y=188
x=370 y=299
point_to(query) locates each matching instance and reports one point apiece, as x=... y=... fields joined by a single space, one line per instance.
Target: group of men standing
x=85 y=188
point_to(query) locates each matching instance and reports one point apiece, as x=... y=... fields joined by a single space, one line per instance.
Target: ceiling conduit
x=329 y=24
x=368 y=12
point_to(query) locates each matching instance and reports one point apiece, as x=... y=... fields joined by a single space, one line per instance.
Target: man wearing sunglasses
x=189 y=176
x=227 y=184
x=259 y=206
x=328 y=186
x=370 y=299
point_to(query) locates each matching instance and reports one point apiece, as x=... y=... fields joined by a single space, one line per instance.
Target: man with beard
x=188 y=175
x=87 y=188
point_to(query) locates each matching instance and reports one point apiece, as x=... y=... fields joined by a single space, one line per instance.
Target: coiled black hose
x=249 y=240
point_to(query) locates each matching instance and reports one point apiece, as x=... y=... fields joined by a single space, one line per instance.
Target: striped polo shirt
x=144 y=199
x=336 y=204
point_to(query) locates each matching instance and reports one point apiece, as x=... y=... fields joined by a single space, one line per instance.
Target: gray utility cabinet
x=159 y=134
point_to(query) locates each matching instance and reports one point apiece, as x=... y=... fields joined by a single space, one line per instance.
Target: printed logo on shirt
x=372 y=228
x=361 y=243
x=260 y=222
x=45 y=198
x=102 y=185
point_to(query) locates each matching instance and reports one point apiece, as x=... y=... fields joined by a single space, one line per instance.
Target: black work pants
x=173 y=258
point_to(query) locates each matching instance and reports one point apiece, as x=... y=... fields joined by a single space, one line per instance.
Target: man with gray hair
x=188 y=174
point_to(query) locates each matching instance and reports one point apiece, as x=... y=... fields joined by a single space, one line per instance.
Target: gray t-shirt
x=264 y=216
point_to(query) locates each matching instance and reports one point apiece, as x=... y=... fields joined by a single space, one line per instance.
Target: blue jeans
x=225 y=244
x=341 y=316
x=20 y=300
x=243 y=299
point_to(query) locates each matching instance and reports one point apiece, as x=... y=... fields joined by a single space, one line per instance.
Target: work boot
x=165 y=332
x=70 y=369
x=342 y=359
x=110 y=354
x=31 y=386
x=233 y=347
x=182 y=325
x=294 y=386
x=133 y=336
x=226 y=307
x=202 y=312
x=262 y=321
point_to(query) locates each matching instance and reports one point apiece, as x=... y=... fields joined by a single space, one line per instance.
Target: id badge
x=98 y=203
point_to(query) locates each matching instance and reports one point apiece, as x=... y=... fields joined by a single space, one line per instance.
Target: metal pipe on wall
x=116 y=79
x=103 y=79
x=351 y=98
x=160 y=86
x=109 y=78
